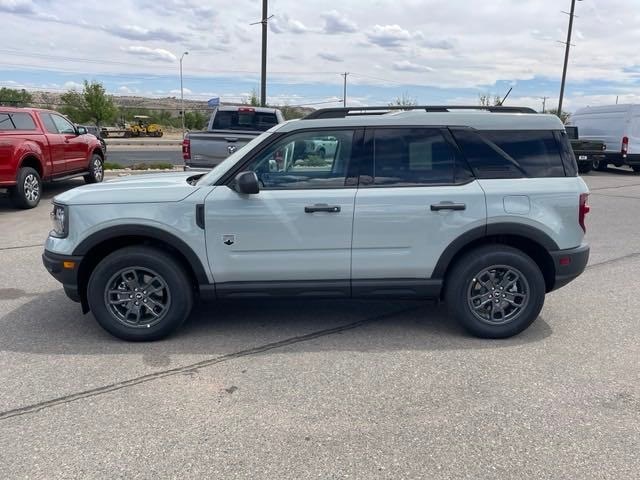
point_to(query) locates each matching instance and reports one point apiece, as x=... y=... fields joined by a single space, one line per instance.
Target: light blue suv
x=483 y=209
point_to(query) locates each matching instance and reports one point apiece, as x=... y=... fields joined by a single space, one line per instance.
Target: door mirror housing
x=81 y=130
x=247 y=183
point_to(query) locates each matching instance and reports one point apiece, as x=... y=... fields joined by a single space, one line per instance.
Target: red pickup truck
x=41 y=145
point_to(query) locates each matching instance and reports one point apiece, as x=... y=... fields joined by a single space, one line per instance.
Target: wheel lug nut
x=145 y=300
x=137 y=303
x=130 y=296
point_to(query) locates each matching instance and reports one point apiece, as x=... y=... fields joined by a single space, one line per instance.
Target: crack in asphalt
x=18 y=247
x=613 y=260
x=615 y=187
x=191 y=368
x=616 y=196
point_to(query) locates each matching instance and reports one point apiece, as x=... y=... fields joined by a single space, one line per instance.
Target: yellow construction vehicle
x=142 y=128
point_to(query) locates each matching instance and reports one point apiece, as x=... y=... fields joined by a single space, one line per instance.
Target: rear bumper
x=619 y=159
x=60 y=267
x=569 y=264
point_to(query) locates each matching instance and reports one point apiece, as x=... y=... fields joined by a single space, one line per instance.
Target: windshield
x=214 y=174
x=247 y=119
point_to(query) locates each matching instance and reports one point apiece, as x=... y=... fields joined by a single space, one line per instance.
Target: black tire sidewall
x=473 y=263
x=177 y=280
x=17 y=193
x=91 y=176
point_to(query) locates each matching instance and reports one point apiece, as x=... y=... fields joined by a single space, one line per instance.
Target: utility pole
x=344 y=94
x=566 y=55
x=263 y=80
x=182 y=93
x=265 y=23
x=544 y=104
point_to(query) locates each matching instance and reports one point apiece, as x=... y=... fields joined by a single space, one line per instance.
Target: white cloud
x=285 y=24
x=391 y=36
x=407 y=66
x=176 y=91
x=135 y=32
x=330 y=57
x=334 y=22
x=151 y=53
x=73 y=86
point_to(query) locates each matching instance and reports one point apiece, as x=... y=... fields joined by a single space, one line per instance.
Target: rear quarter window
x=16 y=121
x=244 y=120
x=512 y=153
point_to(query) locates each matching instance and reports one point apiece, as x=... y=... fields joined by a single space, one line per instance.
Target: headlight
x=60 y=221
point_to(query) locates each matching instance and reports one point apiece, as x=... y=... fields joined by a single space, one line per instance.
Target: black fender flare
x=493 y=229
x=145 y=231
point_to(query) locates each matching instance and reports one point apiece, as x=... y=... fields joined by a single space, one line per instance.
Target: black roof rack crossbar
x=343 y=112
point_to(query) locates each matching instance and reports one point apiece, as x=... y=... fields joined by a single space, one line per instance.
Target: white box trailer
x=616 y=125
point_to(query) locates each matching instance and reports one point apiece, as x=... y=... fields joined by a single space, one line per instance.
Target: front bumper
x=64 y=268
x=569 y=264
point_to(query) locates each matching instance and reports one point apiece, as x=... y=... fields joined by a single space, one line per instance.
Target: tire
x=160 y=134
x=470 y=274
x=636 y=168
x=600 y=166
x=585 y=167
x=28 y=190
x=96 y=170
x=134 y=267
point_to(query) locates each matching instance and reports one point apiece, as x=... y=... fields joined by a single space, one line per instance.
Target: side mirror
x=247 y=183
x=81 y=130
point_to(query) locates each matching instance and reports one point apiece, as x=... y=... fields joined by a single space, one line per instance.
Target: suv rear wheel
x=28 y=189
x=140 y=294
x=495 y=291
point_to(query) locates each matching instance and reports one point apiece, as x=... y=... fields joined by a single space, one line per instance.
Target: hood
x=143 y=188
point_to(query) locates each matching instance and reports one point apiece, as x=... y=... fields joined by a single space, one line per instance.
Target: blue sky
x=433 y=51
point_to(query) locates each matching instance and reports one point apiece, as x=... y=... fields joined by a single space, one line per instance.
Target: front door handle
x=436 y=207
x=322 y=207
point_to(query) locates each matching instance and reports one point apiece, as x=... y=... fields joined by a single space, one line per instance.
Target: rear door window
x=412 y=156
x=48 y=123
x=247 y=119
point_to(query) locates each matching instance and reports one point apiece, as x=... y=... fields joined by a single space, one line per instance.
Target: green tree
x=194 y=120
x=15 y=98
x=404 y=100
x=92 y=104
x=253 y=100
x=290 y=113
x=564 y=116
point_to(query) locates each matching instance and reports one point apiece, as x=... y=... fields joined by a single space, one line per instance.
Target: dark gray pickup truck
x=230 y=128
x=590 y=154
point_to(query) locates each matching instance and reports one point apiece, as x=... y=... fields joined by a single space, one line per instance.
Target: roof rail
x=343 y=112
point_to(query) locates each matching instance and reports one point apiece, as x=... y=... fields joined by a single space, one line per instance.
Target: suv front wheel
x=495 y=291
x=140 y=294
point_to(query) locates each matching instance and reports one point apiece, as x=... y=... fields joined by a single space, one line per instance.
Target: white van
x=616 y=125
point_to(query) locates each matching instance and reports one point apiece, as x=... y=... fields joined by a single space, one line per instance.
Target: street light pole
x=344 y=90
x=566 y=55
x=182 y=93
x=263 y=72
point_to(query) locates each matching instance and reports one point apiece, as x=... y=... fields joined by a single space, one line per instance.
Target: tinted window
x=572 y=132
x=537 y=152
x=16 y=121
x=412 y=156
x=305 y=160
x=485 y=160
x=5 y=122
x=23 y=121
x=244 y=120
x=48 y=123
x=63 y=125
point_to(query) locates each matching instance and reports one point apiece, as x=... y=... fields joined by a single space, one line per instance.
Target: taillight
x=625 y=145
x=247 y=110
x=186 y=149
x=584 y=209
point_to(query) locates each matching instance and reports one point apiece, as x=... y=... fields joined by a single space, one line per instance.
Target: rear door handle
x=231 y=139
x=436 y=207
x=322 y=207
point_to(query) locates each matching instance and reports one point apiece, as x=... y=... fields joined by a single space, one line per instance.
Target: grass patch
x=152 y=166
x=112 y=166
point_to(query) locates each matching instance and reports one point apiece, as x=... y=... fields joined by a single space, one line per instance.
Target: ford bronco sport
x=482 y=209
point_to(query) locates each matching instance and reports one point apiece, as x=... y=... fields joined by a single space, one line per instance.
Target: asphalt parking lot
x=327 y=389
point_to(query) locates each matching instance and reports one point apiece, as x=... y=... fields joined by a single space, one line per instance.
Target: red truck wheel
x=28 y=189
